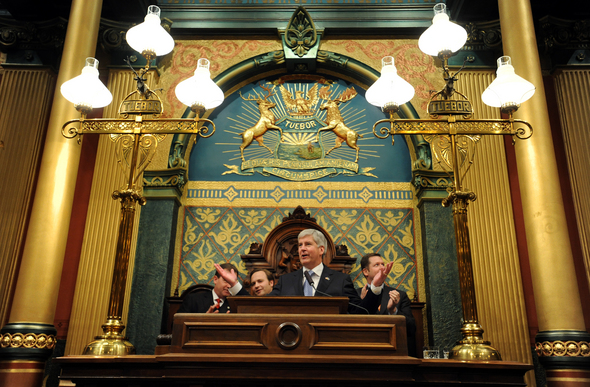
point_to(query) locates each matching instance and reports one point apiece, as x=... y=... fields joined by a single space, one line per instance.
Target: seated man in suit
x=312 y=245
x=391 y=301
x=213 y=301
x=261 y=282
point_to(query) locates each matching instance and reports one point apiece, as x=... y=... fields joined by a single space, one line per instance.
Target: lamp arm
x=462 y=67
x=203 y=130
x=383 y=131
x=522 y=133
x=71 y=131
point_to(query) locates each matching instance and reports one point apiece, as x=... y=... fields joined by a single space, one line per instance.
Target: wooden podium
x=287 y=327
x=289 y=305
x=279 y=343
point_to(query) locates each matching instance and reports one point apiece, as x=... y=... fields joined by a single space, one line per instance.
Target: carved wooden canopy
x=279 y=252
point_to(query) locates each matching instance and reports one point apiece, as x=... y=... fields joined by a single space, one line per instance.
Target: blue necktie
x=307 y=289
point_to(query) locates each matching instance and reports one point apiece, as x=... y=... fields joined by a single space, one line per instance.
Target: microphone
x=310 y=281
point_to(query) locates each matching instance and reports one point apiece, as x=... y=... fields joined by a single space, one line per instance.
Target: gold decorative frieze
x=563 y=348
x=295 y=193
x=27 y=340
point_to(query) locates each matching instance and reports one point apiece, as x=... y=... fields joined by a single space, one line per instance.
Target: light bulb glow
x=150 y=36
x=86 y=89
x=508 y=88
x=443 y=35
x=390 y=88
x=200 y=88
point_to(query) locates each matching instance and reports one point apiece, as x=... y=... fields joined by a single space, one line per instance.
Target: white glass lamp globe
x=390 y=90
x=200 y=90
x=508 y=90
x=443 y=36
x=86 y=91
x=150 y=38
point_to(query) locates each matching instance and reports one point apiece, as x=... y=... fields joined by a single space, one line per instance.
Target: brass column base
x=473 y=346
x=479 y=351
x=112 y=343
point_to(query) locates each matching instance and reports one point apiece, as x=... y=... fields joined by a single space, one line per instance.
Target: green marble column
x=152 y=273
x=441 y=273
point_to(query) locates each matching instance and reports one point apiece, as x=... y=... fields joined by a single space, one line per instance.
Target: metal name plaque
x=450 y=107
x=140 y=107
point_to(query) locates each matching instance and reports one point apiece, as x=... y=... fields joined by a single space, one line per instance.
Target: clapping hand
x=231 y=277
x=213 y=309
x=364 y=291
x=394 y=298
x=382 y=275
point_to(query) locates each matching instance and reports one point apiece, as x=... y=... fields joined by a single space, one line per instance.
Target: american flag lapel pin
x=327 y=278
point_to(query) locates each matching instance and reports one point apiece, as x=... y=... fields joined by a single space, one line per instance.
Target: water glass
x=446 y=352
x=431 y=353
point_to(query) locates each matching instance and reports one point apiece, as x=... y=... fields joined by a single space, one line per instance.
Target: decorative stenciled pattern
x=411 y=63
x=27 y=340
x=563 y=348
x=222 y=54
x=221 y=234
x=318 y=194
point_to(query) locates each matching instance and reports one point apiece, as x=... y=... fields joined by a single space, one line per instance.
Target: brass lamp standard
x=453 y=136
x=136 y=139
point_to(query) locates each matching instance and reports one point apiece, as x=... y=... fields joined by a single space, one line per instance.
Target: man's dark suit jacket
x=200 y=302
x=404 y=309
x=331 y=282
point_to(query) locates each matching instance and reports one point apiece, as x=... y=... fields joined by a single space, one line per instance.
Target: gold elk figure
x=266 y=121
x=335 y=122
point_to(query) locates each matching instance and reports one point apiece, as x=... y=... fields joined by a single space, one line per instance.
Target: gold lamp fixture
x=453 y=136
x=136 y=136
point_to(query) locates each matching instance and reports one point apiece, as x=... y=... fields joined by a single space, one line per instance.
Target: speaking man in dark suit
x=214 y=301
x=312 y=245
x=391 y=301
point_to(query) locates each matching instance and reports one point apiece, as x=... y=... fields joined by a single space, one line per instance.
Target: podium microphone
x=310 y=281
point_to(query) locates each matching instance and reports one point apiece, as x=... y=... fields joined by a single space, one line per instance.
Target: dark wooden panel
x=184 y=370
x=283 y=335
x=289 y=305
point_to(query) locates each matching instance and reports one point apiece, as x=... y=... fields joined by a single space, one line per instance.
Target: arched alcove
x=229 y=203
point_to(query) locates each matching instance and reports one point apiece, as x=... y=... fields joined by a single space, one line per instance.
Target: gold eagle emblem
x=300 y=105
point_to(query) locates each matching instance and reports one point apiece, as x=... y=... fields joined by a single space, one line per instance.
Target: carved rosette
x=483 y=35
x=33 y=35
x=111 y=36
x=559 y=33
x=301 y=34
